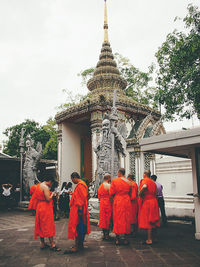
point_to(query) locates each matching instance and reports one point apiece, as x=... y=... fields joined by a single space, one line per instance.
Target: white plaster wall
x=175 y=174
x=70 y=159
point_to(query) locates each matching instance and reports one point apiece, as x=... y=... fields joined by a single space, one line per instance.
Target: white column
x=137 y=169
x=196 y=199
x=59 y=155
x=141 y=165
x=152 y=166
x=122 y=161
x=94 y=157
x=127 y=162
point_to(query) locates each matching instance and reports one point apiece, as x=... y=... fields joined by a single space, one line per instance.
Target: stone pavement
x=176 y=246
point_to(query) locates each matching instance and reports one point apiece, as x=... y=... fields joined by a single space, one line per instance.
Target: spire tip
x=105 y=24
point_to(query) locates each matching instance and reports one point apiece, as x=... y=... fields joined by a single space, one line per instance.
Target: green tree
x=45 y=134
x=178 y=76
x=138 y=82
x=50 y=149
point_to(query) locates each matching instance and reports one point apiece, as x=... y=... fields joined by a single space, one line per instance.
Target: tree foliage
x=71 y=99
x=50 y=148
x=179 y=69
x=46 y=134
x=138 y=82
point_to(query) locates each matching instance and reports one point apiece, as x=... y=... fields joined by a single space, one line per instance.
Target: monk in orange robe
x=44 y=219
x=105 y=210
x=120 y=190
x=79 y=220
x=149 y=217
x=33 y=203
x=134 y=203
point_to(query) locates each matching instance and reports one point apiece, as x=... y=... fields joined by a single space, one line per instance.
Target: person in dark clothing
x=17 y=190
x=161 y=201
x=61 y=200
x=54 y=189
x=67 y=198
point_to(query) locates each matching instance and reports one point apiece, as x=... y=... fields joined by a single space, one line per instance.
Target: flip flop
x=45 y=247
x=55 y=249
x=145 y=243
x=70 y=251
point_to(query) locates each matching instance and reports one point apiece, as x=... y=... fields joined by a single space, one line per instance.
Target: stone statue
x=108 y=151
x=32 y=157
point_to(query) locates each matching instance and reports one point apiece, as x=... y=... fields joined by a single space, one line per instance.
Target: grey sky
x=45 y=43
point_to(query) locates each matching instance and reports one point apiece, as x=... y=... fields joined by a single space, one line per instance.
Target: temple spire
x=106 y=77
x=105 y=24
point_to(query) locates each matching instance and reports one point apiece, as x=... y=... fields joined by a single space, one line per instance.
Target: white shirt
x=6 y=192
x=66 y=191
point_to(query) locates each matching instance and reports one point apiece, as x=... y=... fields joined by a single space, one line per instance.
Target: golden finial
x=105 y=24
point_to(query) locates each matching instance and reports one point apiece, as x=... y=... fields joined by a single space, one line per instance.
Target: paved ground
x=176 y=246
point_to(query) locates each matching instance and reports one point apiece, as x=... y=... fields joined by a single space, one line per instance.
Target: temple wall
x=175 y=174
x=70 y=154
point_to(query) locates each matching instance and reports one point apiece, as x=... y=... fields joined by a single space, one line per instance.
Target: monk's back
x=102 y=192
x=148 y=206
x=121 y=187
x=39 y=194
x=120 y=190
x=105 y=209
x=44 y=219
x=151 y=186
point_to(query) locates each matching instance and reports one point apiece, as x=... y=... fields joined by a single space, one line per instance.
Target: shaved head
x=121 y=171
x=106 y=177
x=147 y=173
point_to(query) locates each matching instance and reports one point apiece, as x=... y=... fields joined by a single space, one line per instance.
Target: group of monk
x=126 y=207
x=122 y=205
x=79 y=221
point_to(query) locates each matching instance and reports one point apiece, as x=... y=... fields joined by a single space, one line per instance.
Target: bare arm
x=45 y=189
x=144 y=188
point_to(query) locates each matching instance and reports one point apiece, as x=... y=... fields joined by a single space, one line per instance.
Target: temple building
x=79 y=126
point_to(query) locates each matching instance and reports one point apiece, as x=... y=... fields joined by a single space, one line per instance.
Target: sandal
x=55 y=249
x=45 y=246
x=117 y=242
x=148 y=244
x=71 y=251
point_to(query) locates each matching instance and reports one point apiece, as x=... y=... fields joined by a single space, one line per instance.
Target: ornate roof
x=106 y=75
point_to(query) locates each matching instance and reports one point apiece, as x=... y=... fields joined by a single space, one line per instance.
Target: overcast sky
x=45 y=43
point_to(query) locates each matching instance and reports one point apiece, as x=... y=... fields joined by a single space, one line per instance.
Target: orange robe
x=79 y=199
x=44 y=219
x=32 y=189
x=134 y=203
x=105 y=210
x=33 y=202
x=120 y=190
x=148 y=206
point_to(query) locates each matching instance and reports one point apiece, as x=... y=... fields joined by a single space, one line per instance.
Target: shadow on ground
x=176 y=246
